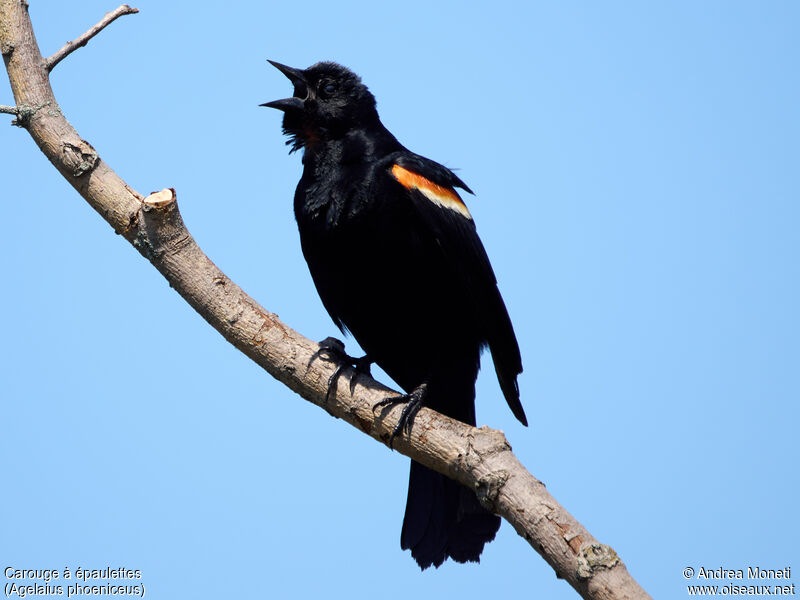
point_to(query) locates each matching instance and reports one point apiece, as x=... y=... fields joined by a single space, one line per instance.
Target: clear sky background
x=636 y=167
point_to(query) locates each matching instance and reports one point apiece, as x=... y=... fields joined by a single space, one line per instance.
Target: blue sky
x=636 y=176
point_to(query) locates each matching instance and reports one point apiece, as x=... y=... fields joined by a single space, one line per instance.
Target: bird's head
x=329 y=100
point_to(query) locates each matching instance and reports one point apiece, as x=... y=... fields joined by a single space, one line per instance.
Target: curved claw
x=333 y=380
x=362 y=367
x=414 y=401
x=331 y=349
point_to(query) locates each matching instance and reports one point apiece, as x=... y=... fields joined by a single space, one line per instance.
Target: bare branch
x=8 y=110
x=70 y=47
x=479 y=458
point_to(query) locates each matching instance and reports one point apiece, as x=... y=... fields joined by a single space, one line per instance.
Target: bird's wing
x=431 y=189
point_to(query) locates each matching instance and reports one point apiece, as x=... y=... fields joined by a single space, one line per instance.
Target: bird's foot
x=332 y=350
x=414 y=401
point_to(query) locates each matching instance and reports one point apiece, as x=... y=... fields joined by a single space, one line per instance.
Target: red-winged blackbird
x=396 y=260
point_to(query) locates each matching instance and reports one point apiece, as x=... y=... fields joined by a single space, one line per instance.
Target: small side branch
x=70 y=47
x=9 y=110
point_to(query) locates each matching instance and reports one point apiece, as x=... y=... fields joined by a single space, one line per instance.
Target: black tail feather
x=506 y=357
x=444 y=520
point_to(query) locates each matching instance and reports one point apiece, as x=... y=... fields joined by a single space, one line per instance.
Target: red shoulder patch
x=444 y=197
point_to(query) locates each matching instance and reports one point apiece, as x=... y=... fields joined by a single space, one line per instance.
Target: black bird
x=396 y=260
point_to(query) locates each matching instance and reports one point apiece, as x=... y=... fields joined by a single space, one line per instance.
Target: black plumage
x=396 y=259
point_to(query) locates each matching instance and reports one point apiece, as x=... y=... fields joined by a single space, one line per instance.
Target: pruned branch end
x=160 y=199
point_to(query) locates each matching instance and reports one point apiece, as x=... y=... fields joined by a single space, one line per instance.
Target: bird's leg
x=332 y=350
x=414 y=401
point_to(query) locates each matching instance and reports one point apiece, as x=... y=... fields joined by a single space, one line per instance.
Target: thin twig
x=70 y=47
x=9 y=110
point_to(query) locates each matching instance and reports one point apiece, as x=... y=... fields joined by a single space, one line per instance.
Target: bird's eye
x=328 y=89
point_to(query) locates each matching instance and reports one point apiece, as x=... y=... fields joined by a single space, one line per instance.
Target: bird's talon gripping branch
x=414 y=402
x=362 y=367
x=331 y=349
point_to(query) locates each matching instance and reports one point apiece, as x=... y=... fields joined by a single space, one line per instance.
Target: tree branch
x=9 y=110
x=70 y=47
x=479 y=458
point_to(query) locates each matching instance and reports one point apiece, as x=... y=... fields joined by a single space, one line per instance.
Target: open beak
x=295 y=75
x=298 y=79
